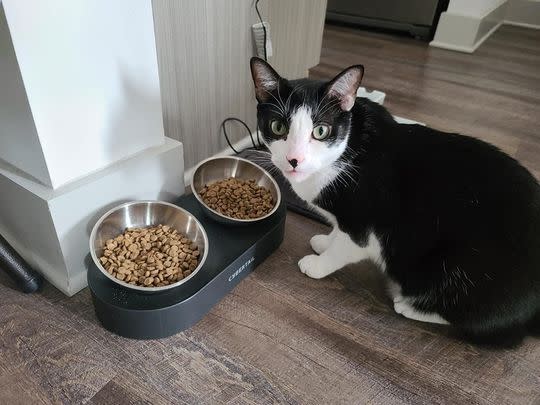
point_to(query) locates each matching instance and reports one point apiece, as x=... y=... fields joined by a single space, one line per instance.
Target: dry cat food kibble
x=150 y=257
x=237 y=198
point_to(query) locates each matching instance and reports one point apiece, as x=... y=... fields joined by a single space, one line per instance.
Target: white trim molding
x=466 y=33
x=520 y=24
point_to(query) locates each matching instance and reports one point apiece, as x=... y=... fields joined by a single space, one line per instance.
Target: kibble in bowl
x=235 y=191
x=154 y=256
x=148 y=245
x=238 y=198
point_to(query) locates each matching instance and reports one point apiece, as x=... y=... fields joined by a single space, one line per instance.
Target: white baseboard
x=465 y=48
x=520 y=24
x=465 y=33
x=452 y=47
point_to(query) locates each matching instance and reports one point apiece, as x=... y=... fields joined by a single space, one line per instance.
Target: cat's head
x=304 y=123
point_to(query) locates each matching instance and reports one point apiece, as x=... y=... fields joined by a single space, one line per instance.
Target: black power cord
x=224 y=129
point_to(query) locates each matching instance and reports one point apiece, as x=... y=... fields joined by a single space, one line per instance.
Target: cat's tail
x=533 y=326
x=507 y=337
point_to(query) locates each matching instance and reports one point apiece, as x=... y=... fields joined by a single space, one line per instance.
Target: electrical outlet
x=258 y=37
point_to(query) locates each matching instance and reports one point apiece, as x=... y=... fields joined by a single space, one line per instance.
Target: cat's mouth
x=295 y=174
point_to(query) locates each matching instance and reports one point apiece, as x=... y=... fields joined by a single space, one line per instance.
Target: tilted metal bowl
x=144 y=214
x=215 y=169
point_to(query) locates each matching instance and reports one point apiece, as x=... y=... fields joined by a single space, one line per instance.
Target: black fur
x=458 y=220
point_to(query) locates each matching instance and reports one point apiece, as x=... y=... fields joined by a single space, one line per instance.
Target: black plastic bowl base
x=233 y=253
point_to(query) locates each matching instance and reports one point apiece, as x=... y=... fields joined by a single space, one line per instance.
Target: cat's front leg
x=341 y=251
x=320 y=243
x=403 y=307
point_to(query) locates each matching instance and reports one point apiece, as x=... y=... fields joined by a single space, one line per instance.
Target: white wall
x=19 y=141
x=473 y=8
x=524 y=13
x=90 y=74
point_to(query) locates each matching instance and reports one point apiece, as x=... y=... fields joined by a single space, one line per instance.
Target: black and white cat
x=452 y=221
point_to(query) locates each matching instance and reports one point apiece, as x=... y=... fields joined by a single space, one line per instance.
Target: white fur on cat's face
x=314 y=157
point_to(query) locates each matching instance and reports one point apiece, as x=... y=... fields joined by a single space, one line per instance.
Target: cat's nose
x=294 y=161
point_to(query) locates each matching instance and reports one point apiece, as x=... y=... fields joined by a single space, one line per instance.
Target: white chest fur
x=309 y=190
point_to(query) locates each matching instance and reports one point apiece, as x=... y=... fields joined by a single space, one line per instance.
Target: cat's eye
x=278 y=127
x=320 y=132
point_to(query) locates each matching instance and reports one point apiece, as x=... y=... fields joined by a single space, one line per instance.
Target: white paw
x=314 y=266
x=398 y=298
x=319 y=243
x=404 y=308
x=400 y=306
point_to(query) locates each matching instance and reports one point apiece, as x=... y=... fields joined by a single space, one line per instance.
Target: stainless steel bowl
x=143 y=214
x=214 y=169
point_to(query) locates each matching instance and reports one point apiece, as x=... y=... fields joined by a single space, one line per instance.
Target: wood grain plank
x=196 y=373
x=17 y=389
x=113 y=393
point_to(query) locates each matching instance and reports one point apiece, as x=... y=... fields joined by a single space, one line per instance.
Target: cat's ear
x=265 y=79
x=345 y=85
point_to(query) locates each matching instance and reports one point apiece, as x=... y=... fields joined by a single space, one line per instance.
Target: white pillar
x=80 y=125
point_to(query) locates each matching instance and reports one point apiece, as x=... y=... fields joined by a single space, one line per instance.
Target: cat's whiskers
x=348 y=180
x=348 y=165
x=346 y=175
x=280 y=105
x=278 y=113
x=347 y=171
x=330 y=101
x=288 y=101
x=319 y=104
x=351 y=152
x=343 y=177
x=263 y=158
x=273 y=107
x=339 y=181
x=352 y=172
x=281 y=100
x=331 y=104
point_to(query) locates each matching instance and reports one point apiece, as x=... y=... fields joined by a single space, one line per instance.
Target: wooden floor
x=281 y=337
